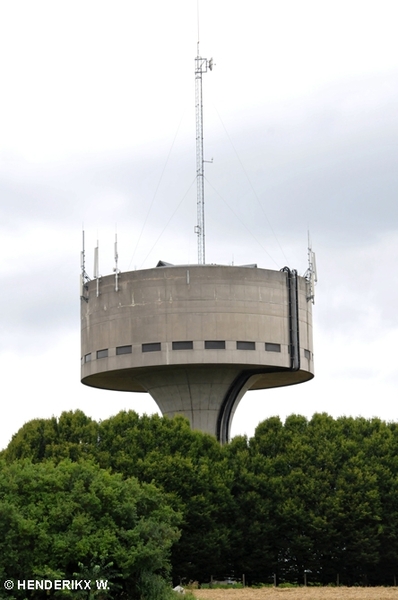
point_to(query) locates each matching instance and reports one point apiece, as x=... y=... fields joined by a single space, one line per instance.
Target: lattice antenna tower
x=202 y=65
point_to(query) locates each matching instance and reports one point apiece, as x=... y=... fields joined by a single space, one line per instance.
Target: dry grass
x=308 y=593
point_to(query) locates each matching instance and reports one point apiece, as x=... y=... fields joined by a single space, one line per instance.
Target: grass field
x=304 y=593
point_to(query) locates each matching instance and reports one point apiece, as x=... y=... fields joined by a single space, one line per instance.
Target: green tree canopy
x=318 y=495
x=71 y=516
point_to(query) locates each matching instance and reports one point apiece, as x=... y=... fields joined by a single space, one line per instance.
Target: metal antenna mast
x=201 y=66
x=84 y=278
x=311 y=273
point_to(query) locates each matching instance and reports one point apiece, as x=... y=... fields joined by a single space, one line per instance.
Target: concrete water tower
x=197 y=337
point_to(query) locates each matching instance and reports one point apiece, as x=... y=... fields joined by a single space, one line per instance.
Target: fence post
x=243 y=580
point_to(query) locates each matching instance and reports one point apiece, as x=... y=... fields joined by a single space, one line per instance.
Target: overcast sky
x=97 y=127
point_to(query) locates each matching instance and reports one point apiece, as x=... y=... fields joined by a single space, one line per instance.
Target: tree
x=73 y=435
x=62 y=518
x=192 y=469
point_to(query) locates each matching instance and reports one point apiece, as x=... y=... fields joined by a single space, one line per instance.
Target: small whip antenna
x=96 y=267
x=116 y=269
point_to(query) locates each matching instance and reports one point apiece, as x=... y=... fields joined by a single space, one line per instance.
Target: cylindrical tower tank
x=197 y=337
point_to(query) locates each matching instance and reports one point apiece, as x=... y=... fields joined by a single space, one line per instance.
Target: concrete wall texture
x=196 y=337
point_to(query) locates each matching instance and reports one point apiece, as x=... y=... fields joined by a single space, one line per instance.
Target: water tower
x=197 y=337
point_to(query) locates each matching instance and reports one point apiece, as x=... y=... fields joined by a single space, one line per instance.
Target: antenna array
x=201 y=66
x=84 y=278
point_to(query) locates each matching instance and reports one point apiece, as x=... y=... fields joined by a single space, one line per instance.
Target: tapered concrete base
x=192 y=392
x=208 y=395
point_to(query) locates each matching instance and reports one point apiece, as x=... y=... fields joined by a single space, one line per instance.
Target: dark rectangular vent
x=102 y=353
x=214 y=345
x=182 y=345
x=307 y=354
x=245 y=345
x=152 y=347
x=270 y=347
x=87 y=358
x=123 y=350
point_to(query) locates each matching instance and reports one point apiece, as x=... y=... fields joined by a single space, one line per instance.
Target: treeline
x=315 y=496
